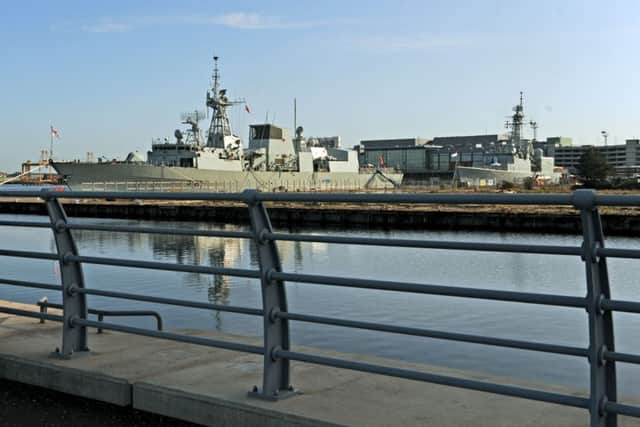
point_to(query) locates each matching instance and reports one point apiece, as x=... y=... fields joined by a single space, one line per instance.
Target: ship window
x=275 y=133
x=266 y=132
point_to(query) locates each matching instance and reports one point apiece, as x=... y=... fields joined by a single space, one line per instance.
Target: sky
x=113 y=75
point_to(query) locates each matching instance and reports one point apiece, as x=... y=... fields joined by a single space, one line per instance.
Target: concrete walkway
x=209 y=386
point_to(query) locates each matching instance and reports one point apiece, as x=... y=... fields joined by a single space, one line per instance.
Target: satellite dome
x=135 y=157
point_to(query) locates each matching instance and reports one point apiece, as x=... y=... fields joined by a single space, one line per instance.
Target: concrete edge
x=212 y=411
x=78 y=382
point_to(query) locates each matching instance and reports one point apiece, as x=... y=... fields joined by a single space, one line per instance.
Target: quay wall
x=563 y=221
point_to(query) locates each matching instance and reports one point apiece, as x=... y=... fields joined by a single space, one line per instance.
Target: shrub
x=528 y=183
x=506 y=185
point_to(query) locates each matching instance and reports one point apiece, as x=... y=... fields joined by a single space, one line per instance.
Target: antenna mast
x=217 y=100
x=516 y=123
x=534 y=126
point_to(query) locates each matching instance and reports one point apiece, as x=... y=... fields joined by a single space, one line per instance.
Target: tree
x=528 y=183
x=593 y=168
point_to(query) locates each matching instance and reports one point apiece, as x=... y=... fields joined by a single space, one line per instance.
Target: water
x=518 y=272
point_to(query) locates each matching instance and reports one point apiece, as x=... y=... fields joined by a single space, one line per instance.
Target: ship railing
x=601 y=401
x=295 y=186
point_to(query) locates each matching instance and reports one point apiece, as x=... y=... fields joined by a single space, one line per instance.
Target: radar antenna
x=218 y=101
x=193 y=116
x=194 y=135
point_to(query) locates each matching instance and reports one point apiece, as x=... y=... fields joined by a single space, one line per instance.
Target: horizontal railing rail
x=171 y=301
x=571 y=199
x=426 y=244
x=597 y=303
x=26 y=284
x=450 y=291
x=154 y=265
x=418 y=332
x=44 y=305
x=158 y=230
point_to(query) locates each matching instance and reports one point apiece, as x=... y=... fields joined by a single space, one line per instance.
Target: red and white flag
x=55 y=132
x=246 y=108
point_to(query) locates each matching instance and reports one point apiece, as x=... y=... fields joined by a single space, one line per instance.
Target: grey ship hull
x=92 y=176
x=481 y=177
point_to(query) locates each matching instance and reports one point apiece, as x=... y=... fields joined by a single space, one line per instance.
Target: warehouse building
x=374 y=144
x=419 y=159
x=470 y=143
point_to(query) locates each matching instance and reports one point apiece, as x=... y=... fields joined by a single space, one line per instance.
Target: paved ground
x=209 y=386
x=24 y=405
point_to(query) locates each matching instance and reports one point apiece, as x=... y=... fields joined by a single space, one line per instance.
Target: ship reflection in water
x=517 y=272
x=192 y=250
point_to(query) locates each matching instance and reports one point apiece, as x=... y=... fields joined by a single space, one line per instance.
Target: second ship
x=273 y=160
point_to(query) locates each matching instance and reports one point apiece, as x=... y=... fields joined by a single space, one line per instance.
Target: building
x=419 y=160
x=409 y=155
x=471 y=142
x=374 y=144
x=549 y=146
x=624 y=158
x=429 y=162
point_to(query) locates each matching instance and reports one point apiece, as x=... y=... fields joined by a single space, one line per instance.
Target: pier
x=218 y=379
x=209 y=386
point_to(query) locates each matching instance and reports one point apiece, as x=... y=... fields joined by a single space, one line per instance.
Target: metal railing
x=276 y=184
x=602 y=402
x=44 y=305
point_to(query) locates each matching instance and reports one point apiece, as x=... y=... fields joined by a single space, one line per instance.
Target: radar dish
x=193 y=116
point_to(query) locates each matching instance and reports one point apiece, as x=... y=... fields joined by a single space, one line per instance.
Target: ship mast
x=217 y=100
x=516 y=124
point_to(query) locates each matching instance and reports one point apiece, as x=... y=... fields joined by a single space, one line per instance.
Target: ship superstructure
x=514 y=162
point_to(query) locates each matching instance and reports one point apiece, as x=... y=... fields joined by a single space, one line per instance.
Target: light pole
x=605 y=135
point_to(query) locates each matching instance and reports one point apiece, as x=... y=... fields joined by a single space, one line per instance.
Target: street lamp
x=605 y=135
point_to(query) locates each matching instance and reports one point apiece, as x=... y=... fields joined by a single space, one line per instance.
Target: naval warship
x=273 y=160
x=514 y=162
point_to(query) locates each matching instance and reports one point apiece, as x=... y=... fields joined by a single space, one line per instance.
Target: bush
x=528 y=183
x=506 y=185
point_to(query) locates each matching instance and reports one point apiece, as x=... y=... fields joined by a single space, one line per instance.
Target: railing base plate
x=56 y=354
x=281 y=394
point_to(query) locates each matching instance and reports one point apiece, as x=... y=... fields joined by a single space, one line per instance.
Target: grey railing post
x=275 y=377
x=601 y=338
x=74 y=337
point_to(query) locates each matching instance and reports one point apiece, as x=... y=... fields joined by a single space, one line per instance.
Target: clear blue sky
x=112 y=75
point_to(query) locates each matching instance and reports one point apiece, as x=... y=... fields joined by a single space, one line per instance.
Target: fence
x=602 y=403
x=275 y=184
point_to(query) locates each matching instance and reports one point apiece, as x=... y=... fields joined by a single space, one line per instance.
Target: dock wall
x=468 y=218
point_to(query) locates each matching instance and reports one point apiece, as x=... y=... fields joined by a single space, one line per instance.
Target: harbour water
x=519 y=272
